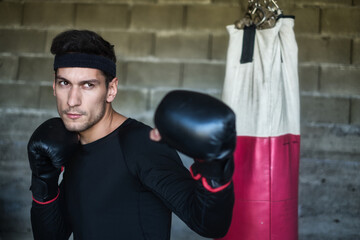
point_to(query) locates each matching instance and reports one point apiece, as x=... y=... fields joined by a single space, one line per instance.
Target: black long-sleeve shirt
x=124 y=186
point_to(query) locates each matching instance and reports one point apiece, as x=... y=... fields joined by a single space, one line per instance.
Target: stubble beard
x=86 y=125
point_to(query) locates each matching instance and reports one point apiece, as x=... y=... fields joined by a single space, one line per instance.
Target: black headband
x=86 y=61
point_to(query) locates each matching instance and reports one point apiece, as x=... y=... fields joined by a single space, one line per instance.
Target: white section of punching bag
x=264 y=93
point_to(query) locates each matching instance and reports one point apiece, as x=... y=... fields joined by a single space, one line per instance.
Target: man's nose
x=74 y=97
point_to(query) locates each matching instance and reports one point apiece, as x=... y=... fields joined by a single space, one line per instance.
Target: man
x=122 y=179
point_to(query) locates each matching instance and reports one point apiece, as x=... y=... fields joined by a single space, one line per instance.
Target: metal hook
x=258 y=13
x=276 y=9
x=256 y=5
x=259 y=8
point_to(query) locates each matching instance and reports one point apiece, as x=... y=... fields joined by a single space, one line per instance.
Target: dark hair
x=83 y=41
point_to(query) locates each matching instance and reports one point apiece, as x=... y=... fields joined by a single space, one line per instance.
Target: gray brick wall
x=185 y=45
x=11 y=14
x=168 y=44
x=35 y=69
x=157 y=17
x=46 y=14
x=325 y=109
x=324 y=49
x=19 y=41
x=112 y=16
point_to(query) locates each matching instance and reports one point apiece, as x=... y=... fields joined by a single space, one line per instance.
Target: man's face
x=81 y=96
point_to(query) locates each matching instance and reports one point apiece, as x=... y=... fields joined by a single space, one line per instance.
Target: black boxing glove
x=48 y=149
x=203 y=128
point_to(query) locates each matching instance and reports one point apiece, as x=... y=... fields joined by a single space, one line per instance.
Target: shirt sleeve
x=48 y=221
x=160 y=169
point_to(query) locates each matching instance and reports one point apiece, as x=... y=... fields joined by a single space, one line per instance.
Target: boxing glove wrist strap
x=47 y=202
x=205 y=183
x=45 y=189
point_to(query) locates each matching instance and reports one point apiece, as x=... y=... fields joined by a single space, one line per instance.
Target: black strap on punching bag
x=248 y=44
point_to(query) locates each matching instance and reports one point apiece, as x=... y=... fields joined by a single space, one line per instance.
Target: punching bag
x=261 y=86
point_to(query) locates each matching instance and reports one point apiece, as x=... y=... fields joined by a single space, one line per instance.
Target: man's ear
x=54 y=82
x=112 y=90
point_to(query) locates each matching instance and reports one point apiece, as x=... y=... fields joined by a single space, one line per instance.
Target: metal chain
x=261 y=13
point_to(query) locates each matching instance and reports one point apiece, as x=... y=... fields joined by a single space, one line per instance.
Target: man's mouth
x=73 y=115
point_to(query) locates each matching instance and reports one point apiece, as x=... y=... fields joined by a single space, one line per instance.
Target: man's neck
x=111 y=121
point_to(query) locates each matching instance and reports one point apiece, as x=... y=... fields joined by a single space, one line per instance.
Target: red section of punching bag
x=266 y=188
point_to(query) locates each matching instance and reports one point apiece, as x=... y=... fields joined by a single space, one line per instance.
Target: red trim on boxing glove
x=196 y=177
x=206 y=184
x=211 y=189
x=47 y=202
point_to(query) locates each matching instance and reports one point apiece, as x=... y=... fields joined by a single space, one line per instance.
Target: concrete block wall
x=169 y=44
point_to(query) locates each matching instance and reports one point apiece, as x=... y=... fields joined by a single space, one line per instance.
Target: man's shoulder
x=135 y=135
x=133 y=128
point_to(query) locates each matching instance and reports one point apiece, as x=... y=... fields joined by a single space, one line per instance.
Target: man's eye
x=88 y=85
x=63 y=83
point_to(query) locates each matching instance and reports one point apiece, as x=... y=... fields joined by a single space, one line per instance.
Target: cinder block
x=340 y=20
x=16 y=127
x=325 y=109
x=309 y=78
x=307 y=20
x=287 y=6
x=15 y=198
x=211 y=16
x=345 y=2
x=101 y=16
x=137 y=1
x=226 y=1
x=330 y=139
x=183 y=1
x=130 y=44
x=220 y=43
x=340 y=80
x=131 y=102
x=117 y=1
x=19 y=95
x=47 y=98
x=355 y=111
x=319 y=179
x=10 y=14
x=148 y=74
x=19 y=125
x=13 y=150
x=49 y=14
x=121 y=71
x=159 y=17
x=156 y=95
x=325 y=49
x=36 y=69
x=356 y=52
x=186 y=45
x=204 y=76
x=22 y=40
x=8 y=67
x=329 y=227
x=50 y=35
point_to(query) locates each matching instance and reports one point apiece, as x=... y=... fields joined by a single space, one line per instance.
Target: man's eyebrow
x=60 y=78
x=93 y=80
